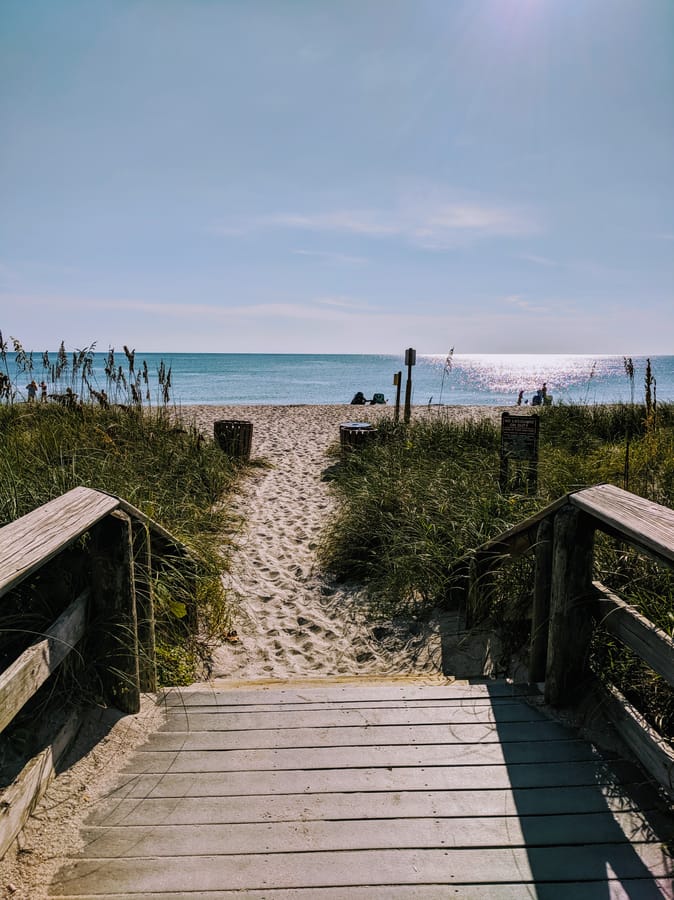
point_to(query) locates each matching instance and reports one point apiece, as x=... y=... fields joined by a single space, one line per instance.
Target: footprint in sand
x=284 y=508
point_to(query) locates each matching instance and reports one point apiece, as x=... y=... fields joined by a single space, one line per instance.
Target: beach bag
x=377 y=398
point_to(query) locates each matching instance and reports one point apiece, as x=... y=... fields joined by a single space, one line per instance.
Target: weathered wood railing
x=568 y=603
x=114 y=611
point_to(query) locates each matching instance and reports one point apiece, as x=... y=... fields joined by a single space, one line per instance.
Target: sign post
x=519 y=444
x=410 y=360
x=397 y=381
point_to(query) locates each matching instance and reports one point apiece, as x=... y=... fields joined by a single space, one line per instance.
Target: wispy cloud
x=538 y=260
x=327 y=309
x=366 y=222
x=524 y=304
x=346 y=303
x=433 y=225
x=330 y=257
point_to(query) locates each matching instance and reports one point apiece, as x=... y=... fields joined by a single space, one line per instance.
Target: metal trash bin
x=355 y=435
x=234 y=436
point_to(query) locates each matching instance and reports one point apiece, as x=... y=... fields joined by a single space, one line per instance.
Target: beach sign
x=519 y=452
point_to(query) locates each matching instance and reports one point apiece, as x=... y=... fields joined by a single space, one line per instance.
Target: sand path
x=293 y=620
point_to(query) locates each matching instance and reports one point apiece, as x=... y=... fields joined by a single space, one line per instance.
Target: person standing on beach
x=32 y=391
x=43 y=391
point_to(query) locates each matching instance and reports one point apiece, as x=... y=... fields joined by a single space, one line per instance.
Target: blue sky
x=345 y=176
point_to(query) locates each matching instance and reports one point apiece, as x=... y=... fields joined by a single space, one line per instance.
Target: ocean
x=468 y=379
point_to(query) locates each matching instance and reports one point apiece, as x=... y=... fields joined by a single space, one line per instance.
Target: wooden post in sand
x=397 y=381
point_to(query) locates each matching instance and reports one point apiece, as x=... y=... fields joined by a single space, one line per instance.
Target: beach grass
x=164 y=468
x=428 y=494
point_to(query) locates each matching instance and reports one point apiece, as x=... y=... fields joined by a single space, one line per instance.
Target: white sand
x=293 y=621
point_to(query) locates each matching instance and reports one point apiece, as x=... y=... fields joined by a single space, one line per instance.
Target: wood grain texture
x=652 y=644
x=498 y=809
x=570 y=623
x=19 y=800
x=612 y=887
x=654 y=752
x=646 y=525
x=25 y=675
x=37 y=537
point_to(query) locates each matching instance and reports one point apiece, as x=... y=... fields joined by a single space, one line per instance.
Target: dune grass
x=427 y=494
x=164 y=468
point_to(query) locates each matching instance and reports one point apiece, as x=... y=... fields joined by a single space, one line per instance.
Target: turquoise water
x=474 y=379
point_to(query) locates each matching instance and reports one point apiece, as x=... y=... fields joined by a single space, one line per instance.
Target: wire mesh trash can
x=355 y=435
x=234 y=436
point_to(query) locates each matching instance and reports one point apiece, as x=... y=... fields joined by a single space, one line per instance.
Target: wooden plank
x=640 y=522
x=257 y=871
x=389 y=778
x=267 y=760
x=302 y=836
x=648 y=641
x=654 y=753
x=460 y=692
x=357 y=736
x=26 y=674
x=34 y=539
x=634 y=888
x=373 y=805
x=194 y=719
x=19 y=800
x=520 y=538
x=478 y=706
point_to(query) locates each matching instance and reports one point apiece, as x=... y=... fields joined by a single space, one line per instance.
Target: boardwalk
x=368 y=790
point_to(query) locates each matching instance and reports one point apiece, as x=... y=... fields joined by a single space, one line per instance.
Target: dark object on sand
x=377 y=398
x=355 y=435
x=234 y=436
x=358 y=399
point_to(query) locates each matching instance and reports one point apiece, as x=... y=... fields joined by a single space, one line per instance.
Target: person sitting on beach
x=358 y=399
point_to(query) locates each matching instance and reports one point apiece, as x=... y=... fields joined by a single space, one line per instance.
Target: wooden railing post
x=540 y=617
x=114 y=611
x=570 y=608
x=480 y=587
x=147 y=660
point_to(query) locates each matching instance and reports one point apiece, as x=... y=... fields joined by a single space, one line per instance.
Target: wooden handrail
x=122 y=549
x=31 y=541
x=567 y=604
x=645 y=525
